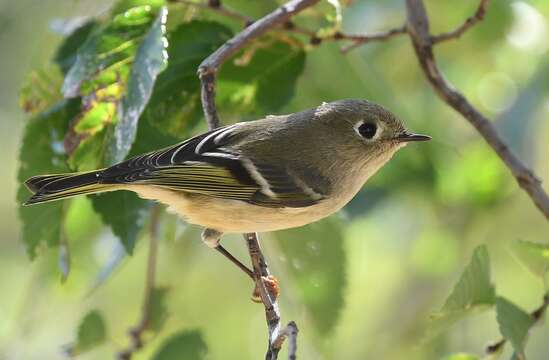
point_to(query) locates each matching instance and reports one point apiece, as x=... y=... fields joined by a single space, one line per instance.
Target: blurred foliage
x=514 y=324
x=474 y=287
x=42 y=150
x=472 y=293
x=534 y=256
x=365 y=284
x=262 y=77
x=91 y=333
x=114 y=73
x=461 y=356
x=320 y=287
x=125 y=213
x=186 y=345
x=175 y=106
x=159 y=311
x=41 y=90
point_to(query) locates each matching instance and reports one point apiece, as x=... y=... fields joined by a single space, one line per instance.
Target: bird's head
x=365 y=130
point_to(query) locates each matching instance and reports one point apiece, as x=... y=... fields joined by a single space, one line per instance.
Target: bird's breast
x=236 y=216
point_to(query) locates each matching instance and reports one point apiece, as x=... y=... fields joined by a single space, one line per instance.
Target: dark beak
x=406 y=137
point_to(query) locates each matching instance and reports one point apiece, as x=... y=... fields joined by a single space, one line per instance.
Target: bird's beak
x=407 y=137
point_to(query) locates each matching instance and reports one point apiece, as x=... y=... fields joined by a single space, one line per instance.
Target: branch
x=136 y=333
x=290 y=333
x=219 y=8
x=272 y=311
x=363 y=39
x=207 y=72
x=289 y=26
x=418 y=29
x=209 y=67
x=469 y=22
x=536 y=317
x=268 y=297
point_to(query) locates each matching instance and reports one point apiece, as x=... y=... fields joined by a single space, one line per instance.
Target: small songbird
x=275 y=173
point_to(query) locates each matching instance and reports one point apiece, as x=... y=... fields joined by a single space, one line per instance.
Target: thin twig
x=244 y=19
x=293 y=28
x=469 y=22
x=221 y=9
x=536 y=317
x=207 y=72
x=362 y=39
x=136 y=333
x=235 y=261
x=418 y=29
x=209 y=67
x=272 y=311
x=290 y=333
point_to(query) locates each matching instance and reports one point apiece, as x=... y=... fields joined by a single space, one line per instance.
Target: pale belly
x=233 y=216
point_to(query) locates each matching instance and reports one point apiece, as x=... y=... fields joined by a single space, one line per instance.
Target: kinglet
x=275 y=173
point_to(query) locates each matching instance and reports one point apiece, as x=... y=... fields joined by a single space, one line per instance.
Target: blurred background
x=360 y=285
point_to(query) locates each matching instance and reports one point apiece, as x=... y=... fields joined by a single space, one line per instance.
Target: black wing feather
x=207 y=164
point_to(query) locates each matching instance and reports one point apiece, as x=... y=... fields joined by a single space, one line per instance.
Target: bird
x=279 y=172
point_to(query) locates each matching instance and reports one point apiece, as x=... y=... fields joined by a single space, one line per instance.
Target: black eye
x=367 y=130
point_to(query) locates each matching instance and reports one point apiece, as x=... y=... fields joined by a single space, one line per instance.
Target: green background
x=361 y=284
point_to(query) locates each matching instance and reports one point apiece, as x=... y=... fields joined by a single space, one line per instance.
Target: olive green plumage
x=269 y=174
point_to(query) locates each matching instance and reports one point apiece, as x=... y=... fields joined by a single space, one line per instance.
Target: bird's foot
x=271 y=284
x=211 y=237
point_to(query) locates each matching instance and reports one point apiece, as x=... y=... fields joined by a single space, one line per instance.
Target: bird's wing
x=208 y=165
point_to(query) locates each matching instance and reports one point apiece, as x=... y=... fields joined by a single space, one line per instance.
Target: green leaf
x=262 y=78
x=175 y=105
x=114 y=72
x=116 y=41
x=474 y=286
x=88 y=153
x=149 y=62
x=184 y=345
x=514 y=324
x=148 y=138
x=65 y=56
x=124 y=5
x=124 y=212
x=42 y=152
x=461 y=356
x=40 y=90
x=307 y=250
x=92 y=332
x=331 y=11
x=472 y=293
x=534 y=256
x=158 y=310
x=42 y=87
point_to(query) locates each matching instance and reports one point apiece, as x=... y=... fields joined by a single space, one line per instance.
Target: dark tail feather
x=60 y=186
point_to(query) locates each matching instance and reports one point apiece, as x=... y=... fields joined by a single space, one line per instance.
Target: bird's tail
x=59 y=186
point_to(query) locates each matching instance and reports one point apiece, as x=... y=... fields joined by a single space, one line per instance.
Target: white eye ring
x=360 y=131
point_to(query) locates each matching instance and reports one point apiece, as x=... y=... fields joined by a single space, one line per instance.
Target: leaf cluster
x=123 y=84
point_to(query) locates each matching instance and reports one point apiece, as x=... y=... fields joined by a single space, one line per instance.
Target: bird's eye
x=367 y=130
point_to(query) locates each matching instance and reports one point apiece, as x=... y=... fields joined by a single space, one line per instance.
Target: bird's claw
x=271 y=284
